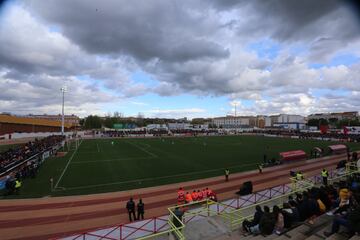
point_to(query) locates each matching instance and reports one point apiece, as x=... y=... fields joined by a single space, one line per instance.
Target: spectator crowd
x=341 y=200
x=17 y=161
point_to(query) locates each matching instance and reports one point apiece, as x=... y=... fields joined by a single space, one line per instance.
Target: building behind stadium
x=36 y=123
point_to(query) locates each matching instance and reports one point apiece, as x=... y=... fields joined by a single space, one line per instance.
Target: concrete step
x=337 y=236
x=314 y=237
x=356 y=237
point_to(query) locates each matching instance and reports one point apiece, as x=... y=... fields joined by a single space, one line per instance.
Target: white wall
x=34 y=135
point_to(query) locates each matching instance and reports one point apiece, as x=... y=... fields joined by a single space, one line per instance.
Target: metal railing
x=233 y=211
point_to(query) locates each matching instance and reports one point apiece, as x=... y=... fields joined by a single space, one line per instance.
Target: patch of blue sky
x=184 y=101
x=326 y=92
x=343 y=59
x=54 y=28
x=247 y=102
x=142 y=77
x=265 y=48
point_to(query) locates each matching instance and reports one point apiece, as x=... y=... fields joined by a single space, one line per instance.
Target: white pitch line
x=155 y=178
x=97 y=145
x=112 y=160
x=143 y=149
x=67 y=165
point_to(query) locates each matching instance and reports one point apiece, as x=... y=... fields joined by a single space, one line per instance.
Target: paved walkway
x=45 y=218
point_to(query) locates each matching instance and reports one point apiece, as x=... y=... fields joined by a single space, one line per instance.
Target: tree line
x=333 y=122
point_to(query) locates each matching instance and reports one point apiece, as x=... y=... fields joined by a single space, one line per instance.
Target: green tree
x=313 y=122
x=93 y=122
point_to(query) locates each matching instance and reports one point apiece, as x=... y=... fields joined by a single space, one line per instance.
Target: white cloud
x=177 y=113
x=198 y=49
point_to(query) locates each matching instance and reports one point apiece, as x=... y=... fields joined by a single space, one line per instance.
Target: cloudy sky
x=179 y=58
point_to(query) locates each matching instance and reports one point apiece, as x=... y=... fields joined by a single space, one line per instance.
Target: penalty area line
x=142 y=149
x=113 y=160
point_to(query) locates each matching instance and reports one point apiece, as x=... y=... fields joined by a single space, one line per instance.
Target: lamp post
x=63 y=90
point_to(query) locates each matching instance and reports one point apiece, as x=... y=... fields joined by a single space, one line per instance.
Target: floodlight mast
x=63 y=90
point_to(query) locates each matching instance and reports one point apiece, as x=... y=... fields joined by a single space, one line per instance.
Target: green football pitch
x=103 y=165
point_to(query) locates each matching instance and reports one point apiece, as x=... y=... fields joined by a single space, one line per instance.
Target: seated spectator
x=323 y=196
x=313 y=208
x=303 y=207
x=292 y=201
x=351 y=221
x=296 y=216
x=279 y=220
x=266 y=224
x=255 y=221
x=288 y=214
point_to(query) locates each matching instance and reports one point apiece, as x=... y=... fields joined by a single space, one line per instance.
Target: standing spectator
x=179 y=214
x=17 y=186
x=324 y=175
x=299 y=176
x=140 y=210
x=227 y=173
x=188 y=198
x=181 y=196
x=200 y=195
x=130 y=206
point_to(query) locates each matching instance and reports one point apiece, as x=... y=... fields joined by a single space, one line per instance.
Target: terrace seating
x=304 y=230
x=15 y=155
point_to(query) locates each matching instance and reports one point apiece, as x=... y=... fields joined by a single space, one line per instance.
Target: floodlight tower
x=235 y=104
x=63 y=90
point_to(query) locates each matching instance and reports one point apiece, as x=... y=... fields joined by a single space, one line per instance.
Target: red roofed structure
x=293 y=156
x=338 y=149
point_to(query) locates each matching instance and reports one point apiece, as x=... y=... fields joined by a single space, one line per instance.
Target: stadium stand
x=312 y=135
x=20 y=162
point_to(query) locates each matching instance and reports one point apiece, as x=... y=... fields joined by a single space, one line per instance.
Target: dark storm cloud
x=162 y=29
x=292 y=19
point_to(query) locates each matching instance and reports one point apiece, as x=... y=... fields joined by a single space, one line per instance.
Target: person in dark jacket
x=255 y=221
x=130 y=206
x=349 y=221
x=140 y=210
x=354 y=220
x=288 y=214
x=179 y=214
x=266 y=224
x=295 y=215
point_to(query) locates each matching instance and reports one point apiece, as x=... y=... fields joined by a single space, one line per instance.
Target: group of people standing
x=130 y=207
